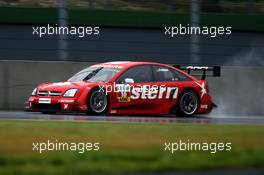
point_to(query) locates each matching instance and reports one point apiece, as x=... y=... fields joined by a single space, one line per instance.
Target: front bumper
x=54 y=104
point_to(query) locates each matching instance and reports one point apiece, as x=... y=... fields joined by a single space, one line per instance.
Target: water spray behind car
x=240 y=90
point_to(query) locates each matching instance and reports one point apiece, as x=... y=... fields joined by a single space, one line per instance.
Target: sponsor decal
x=130 y=92
x=197 y=67
x=123 y=99
x=44 y=100
x=148 y=92
x=162 y=70
x=114 y=66
x=204 y=106
x=113 y=111
x=154 y=92
x=66 y=101
x=118 y=62
x=203 y=90
x=66 y=106
x=58 y=84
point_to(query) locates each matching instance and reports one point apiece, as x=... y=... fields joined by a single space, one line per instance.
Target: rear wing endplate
x=202 y=71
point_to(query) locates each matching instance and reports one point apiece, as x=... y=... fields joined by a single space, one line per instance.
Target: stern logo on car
x=148 y=92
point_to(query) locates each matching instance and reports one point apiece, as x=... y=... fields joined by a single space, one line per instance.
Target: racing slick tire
x=97 y=102
x=189 y=103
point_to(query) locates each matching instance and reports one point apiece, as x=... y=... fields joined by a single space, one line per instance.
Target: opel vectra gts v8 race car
x=127 y=88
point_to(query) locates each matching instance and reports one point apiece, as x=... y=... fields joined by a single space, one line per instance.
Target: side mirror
x=129 y=80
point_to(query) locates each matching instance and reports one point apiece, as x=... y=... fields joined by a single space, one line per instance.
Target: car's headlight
x=70 y=93
x=34 y=92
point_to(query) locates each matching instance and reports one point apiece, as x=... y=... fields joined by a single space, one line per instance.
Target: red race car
x=128 y=88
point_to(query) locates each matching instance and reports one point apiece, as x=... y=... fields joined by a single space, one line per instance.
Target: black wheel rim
x=189 y=103
x=98 y=101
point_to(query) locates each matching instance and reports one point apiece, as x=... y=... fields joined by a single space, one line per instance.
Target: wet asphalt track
x=136 y=119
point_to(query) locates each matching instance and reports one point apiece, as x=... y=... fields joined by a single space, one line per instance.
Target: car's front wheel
x=97 y=102
x=188 y=103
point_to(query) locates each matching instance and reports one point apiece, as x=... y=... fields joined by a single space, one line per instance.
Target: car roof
x=129 y=63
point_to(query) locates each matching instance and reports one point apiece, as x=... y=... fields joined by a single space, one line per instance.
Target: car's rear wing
x=202 y=71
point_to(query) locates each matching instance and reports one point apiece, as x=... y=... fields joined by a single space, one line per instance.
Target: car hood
x=64 y=86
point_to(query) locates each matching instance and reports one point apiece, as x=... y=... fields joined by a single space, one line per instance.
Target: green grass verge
x=119 y=18
x=125 y=147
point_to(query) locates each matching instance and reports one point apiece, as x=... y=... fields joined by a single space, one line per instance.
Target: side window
x=140 y=74
x=180 y=76
x=162 y=74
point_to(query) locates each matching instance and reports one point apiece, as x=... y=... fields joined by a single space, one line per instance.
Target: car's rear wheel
x=188 y=103
x=97 y=102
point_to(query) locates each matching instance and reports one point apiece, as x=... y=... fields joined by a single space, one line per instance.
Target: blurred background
x=133 y=30
x=214 y=6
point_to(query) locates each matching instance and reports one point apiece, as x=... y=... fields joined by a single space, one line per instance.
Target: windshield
x=95 y=74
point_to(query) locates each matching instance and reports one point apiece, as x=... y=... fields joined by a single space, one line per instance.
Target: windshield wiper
x=93 y=73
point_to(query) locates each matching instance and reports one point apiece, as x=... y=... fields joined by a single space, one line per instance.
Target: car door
x=170 y=83
x=131 y=88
